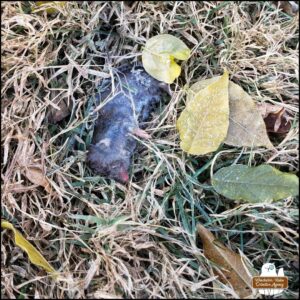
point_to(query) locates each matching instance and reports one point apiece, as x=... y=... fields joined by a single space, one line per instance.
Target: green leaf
x=255 y=184
x=159 y=56
x=203 y=124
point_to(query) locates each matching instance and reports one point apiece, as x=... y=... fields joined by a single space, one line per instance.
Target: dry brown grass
x=139 y=241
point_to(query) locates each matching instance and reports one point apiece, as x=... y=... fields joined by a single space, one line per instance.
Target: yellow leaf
x=34 y=255
x=228 y=265
x=203 y=124
x=49 y=7
x=246 y=125
x=159 y=56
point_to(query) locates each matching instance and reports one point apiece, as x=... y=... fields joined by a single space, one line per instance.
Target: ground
x=140 y=240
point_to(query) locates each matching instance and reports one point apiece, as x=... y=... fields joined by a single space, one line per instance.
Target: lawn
x=139 y=240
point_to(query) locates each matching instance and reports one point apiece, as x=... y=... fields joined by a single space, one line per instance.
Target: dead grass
x=140 y=240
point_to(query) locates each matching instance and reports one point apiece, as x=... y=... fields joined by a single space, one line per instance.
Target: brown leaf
x=266 y=108
x=276 y=118
x=228 y=264
x=60 y=109
x=36 y=176
x=31 y=168
x=277 y=123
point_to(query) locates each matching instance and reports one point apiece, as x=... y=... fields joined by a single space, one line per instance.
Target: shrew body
x=112 y=146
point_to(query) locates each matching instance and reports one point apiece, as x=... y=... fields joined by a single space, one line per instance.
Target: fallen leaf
x=61 y=109
x=275 y=117
x=277 y=122
x=34 y=255
x=255 y=184
x=36 y=176
x=246 y=126
x=159 y=56
x=228 y=264
x=31 y=168
x=203 y=124
x=266 y=108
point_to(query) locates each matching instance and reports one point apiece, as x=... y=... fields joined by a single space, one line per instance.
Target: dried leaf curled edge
x=275 y=117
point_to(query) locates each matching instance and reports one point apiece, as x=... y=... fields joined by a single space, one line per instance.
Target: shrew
x=135 y=95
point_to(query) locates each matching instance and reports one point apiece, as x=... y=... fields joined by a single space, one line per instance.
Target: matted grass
x=138 y=241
